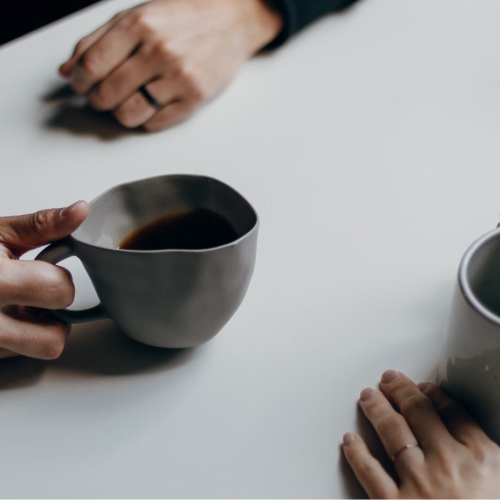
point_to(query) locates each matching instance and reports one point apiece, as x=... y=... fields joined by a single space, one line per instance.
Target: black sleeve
x=298 y=13
x=18 y=17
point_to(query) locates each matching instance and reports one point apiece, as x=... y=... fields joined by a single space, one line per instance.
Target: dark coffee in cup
x=196 y=229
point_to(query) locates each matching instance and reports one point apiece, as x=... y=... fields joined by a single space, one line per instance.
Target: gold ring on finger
x=404 y=448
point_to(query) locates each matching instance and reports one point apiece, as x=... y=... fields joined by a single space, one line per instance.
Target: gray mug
x=469 y=368
x=164 y=298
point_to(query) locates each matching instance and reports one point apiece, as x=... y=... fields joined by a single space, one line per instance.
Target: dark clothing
x=299 y=13
x=22 y=16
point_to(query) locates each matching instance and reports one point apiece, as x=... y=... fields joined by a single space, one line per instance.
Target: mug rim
x=254 y=228
x=463 y=281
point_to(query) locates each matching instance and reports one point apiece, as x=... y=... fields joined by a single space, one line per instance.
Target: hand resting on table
x=453 y=458
x=155 y=64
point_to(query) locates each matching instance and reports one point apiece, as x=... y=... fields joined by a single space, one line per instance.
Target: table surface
x=369 y=146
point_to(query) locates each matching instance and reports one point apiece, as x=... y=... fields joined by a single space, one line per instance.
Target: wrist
x=263 y=23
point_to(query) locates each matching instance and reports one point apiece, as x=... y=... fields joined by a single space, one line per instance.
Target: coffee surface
x=195 y=229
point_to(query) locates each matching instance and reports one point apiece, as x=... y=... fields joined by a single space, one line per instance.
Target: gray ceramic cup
x=163 y=298
x=470 y=363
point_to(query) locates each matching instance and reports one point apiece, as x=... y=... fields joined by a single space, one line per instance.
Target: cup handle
x=54 y=253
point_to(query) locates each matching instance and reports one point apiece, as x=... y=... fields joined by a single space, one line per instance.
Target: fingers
x=416 y=408
x=458 y=421
x=23 y=330
x=106 y=54
x=391 y=427
x=120 y=90
x=35 y=284
x=25 y=232
x=133 y=50
x=368 y=470
x=136 y=111
x=33 y=335
x=123 y=82
x=83 y=45
x=452 y=465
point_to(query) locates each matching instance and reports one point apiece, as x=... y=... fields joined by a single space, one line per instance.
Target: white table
x=370 y=147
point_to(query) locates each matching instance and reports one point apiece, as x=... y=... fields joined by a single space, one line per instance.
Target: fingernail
x=389 y=376
x=67 y=210
x=366 y=394
x=347 y=439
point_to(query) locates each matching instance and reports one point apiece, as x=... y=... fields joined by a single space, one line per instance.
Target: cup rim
x=463 y=281
x=254 y=228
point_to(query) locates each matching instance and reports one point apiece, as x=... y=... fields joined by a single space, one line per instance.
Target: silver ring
x=151 y=100
x=405 y=447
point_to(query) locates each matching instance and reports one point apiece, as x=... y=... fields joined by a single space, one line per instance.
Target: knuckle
x=38 y=222
x=53 y=348
x=44 y=340
x=195 y=91
x=365 y=469
x=197 y=95
x=447 y=459
x=173 y=71
x=101 y=97
x=389 y=424
x=481 y=454
x=140 y=21
x=80 y=46
x=59 y=286
x=485 y=452
x=362 y=465
x=163 y=52
x=89 y=63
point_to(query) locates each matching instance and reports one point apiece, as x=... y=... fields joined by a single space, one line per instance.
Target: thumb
x=25 y=232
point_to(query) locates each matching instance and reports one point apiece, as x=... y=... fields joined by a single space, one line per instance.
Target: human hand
x=454 y=457
x=183 y=51
x=29 y=288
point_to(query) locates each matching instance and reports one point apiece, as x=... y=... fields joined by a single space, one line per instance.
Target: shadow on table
x=73 y=114
x=99 y=348
x=351 y=485
x=17 y=373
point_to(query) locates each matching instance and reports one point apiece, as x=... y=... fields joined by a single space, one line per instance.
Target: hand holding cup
x=28 y=289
